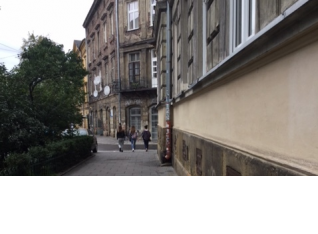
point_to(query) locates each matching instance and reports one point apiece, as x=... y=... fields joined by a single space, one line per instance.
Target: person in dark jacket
x=146 y=137
x=120 y=138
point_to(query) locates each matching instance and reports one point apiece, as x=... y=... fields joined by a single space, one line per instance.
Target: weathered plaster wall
x=270 y=112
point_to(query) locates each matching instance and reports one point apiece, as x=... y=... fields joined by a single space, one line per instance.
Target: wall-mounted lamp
x=172 y=101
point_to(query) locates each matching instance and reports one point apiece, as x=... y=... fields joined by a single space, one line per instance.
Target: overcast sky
x=60 y=20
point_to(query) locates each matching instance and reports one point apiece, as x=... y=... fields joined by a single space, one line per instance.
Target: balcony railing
x=114 y=89
x=126 y=85
x=140 y=84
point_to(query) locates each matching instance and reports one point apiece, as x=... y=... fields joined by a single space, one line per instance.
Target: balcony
x=114 y=89
x=141 y=87
x=136 y=85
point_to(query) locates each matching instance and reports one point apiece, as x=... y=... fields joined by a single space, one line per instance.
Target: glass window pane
x=131 y=22
x=136 y=16
x=250 y=17
x=238 y=20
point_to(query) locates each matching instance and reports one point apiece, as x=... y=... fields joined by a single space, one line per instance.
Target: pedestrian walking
x=133 y=138
x=120 y=138
x=146 y=137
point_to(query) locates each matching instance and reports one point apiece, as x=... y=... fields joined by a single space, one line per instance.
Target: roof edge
x=91 y=11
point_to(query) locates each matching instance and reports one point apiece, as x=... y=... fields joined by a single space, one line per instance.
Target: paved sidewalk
x=115 y=163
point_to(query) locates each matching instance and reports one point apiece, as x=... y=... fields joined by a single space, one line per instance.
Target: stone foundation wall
x=194 y=156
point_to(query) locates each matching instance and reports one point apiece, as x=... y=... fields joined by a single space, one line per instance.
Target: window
x=133 y=16
x=106 y=74
x=154 y=68
x=135 y=118
x=86 y=91
x=212 y=31
x=105 y=32
x=112 y=23
x=190 y=41
x=98 y=44
x=93 y=87
x=100 y=77
x=179 y=30
x=154 y=123
x=134 y=67
x=93 y=45
x=152 y=11
x=114 y=118
x=100 y=121
x=243 y=21
x=112 y=63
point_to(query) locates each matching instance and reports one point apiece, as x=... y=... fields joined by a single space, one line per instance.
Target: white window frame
x=133 y=11
x=248 y=22
x=153 y=112
x=101 y=81
x=154 y=69
x=153 y=4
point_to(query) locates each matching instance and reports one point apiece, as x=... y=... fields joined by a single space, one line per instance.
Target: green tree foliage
x=55 y=83
x=31 y=41
x=41 y=96
x=18 y=127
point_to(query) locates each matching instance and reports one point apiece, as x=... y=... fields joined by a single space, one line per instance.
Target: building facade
x=79 y=47
x=100 y=27
x=238 y=96
x=138 y=64
x=122 y=65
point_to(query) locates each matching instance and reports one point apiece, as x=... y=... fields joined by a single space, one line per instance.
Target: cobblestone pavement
x=127 y=163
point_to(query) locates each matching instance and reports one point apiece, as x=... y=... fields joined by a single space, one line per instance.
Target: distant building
x=237 y=87
x=122 y=65
x=138 y=64
x=80 y=48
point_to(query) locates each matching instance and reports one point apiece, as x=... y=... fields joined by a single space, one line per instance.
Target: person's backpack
x=146 y=135
x=134 y=135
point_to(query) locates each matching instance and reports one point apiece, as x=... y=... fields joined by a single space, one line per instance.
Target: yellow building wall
x=271 y=112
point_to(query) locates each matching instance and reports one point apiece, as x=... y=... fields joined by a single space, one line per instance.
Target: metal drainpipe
x=118 y=65
x=87 y=88
x=168 y=85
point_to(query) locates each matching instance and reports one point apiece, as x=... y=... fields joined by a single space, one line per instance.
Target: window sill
x=131 y=30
